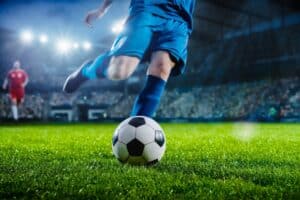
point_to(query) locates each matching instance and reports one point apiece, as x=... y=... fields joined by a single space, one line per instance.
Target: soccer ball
x=139 y=140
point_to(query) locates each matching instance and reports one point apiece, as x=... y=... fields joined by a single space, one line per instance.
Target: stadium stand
x=264 y=100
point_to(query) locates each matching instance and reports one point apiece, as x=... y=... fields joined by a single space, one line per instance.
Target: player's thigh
x=128 y=50
x=161 y=64
x=19 y=95
x=121 y=67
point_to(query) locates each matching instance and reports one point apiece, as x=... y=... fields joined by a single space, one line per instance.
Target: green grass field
x=202 y=161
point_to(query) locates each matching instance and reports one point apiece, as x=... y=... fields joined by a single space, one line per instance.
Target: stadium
x=231 y=121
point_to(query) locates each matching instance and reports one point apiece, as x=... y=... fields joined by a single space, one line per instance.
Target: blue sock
x=98 y=68
x=148 y=100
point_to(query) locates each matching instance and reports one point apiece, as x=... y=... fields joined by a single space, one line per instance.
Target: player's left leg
x=14 y=109
x=158 y=73
x=169 y=52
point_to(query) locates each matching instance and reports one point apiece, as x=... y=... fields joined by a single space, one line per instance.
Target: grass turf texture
x=202 y=161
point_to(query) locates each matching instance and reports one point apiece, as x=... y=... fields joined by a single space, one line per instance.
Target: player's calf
x=158 y=73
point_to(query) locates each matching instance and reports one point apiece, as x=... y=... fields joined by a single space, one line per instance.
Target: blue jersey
x=180 y=10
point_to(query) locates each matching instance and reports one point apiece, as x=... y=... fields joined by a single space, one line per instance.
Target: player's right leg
x=118 y=68
x=118 y=63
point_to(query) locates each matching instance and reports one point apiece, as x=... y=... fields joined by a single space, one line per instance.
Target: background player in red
x=16 y=80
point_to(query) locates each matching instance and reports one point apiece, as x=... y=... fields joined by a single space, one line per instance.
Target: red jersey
x=16 y=78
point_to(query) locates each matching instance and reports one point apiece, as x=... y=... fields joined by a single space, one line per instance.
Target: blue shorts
x=145 y=33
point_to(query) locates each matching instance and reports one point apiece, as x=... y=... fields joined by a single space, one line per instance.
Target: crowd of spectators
x=250 y=101
x=259 y=100
x=61 y=99
x=95 y=98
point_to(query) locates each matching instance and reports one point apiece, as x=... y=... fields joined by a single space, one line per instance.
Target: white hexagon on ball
x=153 y=152
x=145 y=134
x=126 y=134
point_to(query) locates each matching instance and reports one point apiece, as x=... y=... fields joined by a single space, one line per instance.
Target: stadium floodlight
x=43 y=38
x=63 y=46
x=26 y=36
x=118 y=27
x=75 y=45
x=86 y=45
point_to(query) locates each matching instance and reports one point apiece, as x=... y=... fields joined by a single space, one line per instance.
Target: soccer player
x=156 y=31
x=17 y=80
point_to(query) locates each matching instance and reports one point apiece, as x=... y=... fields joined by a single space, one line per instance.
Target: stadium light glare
x=244 y=131
x=27 y=36
x=87 y=45
x=43 y=38
x=63 y=46
x=118 y=27
x=75 y=45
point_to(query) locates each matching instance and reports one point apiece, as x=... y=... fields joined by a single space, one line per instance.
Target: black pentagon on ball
x=115 y=138
x=135 y=148
x=137 y=121
x=159 y=138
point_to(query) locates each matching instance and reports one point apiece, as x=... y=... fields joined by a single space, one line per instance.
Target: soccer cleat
x=76 y=79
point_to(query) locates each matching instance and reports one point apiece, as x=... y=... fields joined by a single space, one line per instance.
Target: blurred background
x=243 y=64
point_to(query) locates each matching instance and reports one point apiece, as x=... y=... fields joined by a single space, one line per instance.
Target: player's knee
x=14 y=102
x=161 y=68
x=121 y=68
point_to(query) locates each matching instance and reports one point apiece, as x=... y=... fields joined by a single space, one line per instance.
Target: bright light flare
x=118 y=27
x=244 y=131
x=43 y=38
x=27 y=36
x=75 y=45
x=86 y=45
x=63 y=46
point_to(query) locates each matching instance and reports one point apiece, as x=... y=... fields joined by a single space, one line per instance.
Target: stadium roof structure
x=244 y=40
x=216 y=18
